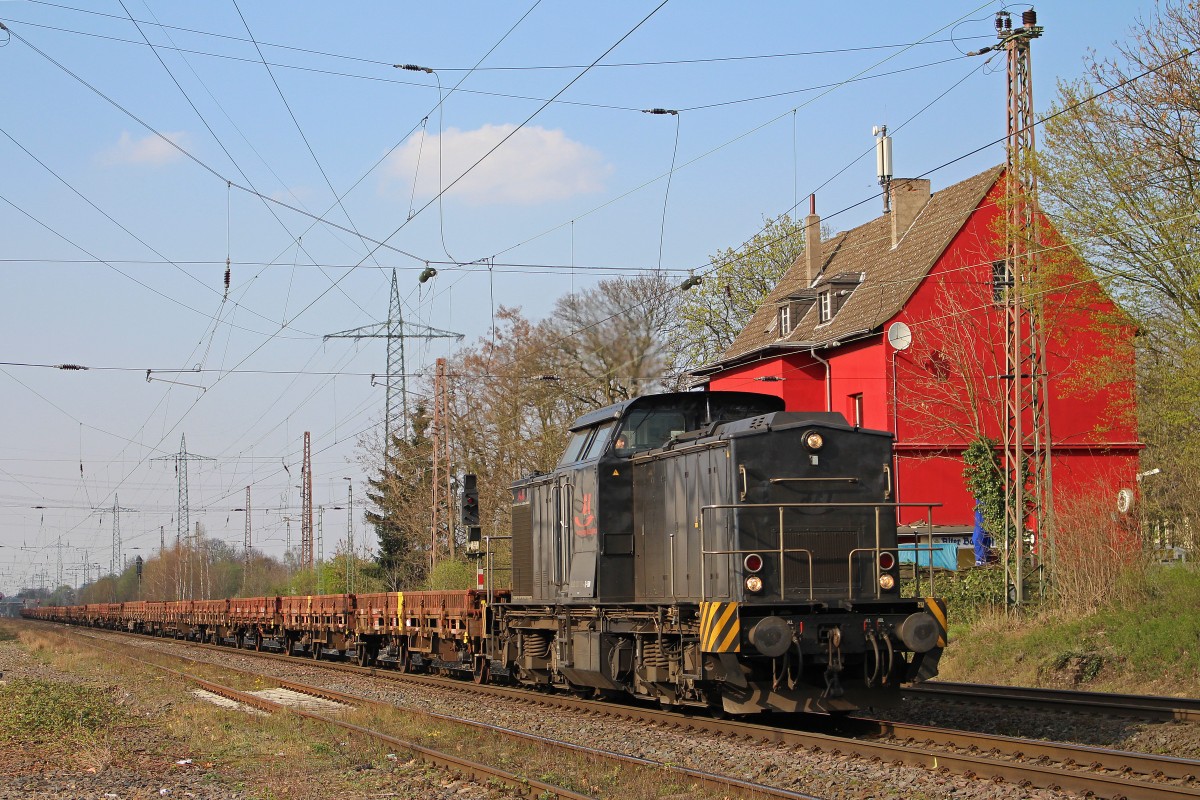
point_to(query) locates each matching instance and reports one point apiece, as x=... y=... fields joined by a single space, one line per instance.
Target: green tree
x=709 y=316
x=1120 y=173
x=399 y=496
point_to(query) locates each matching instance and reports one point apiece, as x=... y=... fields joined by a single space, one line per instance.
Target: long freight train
x=698 y=549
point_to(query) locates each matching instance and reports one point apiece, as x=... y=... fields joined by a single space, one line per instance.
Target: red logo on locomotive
x=585 y=520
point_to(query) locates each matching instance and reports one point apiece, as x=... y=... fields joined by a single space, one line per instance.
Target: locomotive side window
x=647 y=429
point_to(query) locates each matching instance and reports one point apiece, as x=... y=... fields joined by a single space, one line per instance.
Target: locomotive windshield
x=646 y=429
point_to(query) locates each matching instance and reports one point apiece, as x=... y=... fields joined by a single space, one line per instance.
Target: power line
x=501 y=68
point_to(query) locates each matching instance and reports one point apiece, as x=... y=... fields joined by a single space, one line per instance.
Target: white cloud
x=535 y=165
x=150 y=150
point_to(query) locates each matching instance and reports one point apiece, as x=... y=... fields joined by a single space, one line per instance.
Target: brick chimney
x=909 y=196
x=813 y=256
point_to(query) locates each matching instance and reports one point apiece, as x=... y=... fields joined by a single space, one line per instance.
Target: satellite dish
x=1125 y=500
x=899 y=336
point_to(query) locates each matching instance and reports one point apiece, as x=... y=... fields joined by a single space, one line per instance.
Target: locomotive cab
x=573 y=529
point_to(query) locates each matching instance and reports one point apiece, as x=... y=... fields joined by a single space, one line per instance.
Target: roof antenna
x=883 y=163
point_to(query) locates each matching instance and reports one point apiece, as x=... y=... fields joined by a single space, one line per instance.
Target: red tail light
x=886 y=561
x=753 y=562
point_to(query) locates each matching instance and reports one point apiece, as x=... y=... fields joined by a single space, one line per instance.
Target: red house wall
x=950 y=383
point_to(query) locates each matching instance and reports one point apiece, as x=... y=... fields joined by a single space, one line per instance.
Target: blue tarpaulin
x=945 y=556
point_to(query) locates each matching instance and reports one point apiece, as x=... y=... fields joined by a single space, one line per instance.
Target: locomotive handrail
x=781 y=551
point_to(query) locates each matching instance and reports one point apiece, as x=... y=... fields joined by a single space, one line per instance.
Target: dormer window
x=785 y=320
x=826 y=300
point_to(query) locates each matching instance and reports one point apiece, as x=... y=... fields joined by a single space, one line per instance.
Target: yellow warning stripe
x=937 y=608
x=720 y=628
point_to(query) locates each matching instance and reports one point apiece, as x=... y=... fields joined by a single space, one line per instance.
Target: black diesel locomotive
x=697 y=549
x=711 y=549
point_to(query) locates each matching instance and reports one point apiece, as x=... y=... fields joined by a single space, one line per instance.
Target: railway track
x=1150 y=707
x=1094 y=771
x=721 y=784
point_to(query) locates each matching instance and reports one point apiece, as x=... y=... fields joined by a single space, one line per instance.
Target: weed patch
x=36 y=711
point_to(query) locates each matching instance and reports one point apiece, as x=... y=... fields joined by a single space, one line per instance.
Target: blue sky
x=115 y=243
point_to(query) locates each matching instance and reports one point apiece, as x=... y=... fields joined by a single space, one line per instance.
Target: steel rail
x=1156 y=707
x=1155 y=767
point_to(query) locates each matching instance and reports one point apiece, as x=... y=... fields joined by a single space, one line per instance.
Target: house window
x=854 y=409
x=785 y=320
x=826 y=305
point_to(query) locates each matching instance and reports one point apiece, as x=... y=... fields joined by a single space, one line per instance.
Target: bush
x=448 y=574
x=969 y=594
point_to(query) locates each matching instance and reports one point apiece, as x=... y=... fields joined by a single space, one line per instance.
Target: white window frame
x=785 y=320
x=826 y=300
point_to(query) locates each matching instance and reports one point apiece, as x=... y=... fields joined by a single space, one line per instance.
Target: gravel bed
x=820 y=774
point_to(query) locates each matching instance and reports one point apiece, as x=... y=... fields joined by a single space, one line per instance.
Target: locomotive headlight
x=814 y=441
x=754 y=584
x=887 y=582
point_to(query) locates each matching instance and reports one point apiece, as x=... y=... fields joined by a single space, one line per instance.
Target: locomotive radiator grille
x=522 y=549
x=828 y=548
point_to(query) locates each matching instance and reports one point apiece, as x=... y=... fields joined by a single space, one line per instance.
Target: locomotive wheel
x=483 y=669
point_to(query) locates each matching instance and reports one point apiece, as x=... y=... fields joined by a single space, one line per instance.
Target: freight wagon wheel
x=483 y=669
x=258 y=643
x=364 y=657
x=404 y=663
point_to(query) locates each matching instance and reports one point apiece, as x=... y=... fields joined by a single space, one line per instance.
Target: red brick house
x=820 y=341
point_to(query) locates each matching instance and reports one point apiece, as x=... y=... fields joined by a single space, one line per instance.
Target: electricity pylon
x=117 y=563
x=395 y=330
x=181 y=460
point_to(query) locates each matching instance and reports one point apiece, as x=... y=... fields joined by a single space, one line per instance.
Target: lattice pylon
x=1027 y=443
x=306 y=510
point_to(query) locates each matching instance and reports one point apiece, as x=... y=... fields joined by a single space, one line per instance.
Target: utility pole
x=395 y=330
x=246 y=544
x=306 y=511
x=440 y=434
x=1027 y=443
x=183 y=522
x=352 y=562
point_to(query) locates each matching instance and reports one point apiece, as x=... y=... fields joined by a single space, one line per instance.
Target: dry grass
x=282 y=756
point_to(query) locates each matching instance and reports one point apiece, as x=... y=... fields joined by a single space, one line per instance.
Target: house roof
x=889 y=277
